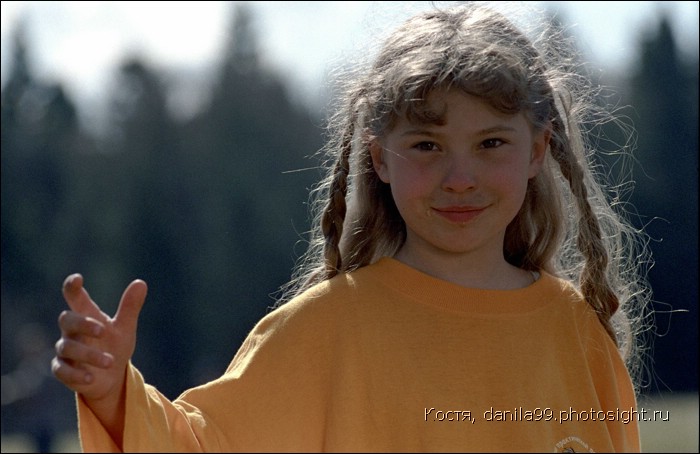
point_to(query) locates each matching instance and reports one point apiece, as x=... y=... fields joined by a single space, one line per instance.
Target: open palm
x=94 y=348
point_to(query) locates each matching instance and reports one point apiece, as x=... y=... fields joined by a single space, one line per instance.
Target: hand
x=94 y=349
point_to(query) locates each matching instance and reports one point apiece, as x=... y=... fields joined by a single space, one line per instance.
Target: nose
x=460 y=174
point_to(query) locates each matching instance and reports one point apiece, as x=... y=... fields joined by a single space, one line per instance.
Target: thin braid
x=334 y=213
x=593 y=280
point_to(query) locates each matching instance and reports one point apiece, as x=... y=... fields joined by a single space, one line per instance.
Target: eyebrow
x=498 y=128
x=483 y=132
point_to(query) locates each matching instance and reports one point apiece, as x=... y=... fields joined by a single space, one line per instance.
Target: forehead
x=443 y=106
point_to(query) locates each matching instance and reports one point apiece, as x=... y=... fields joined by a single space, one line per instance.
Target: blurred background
x=175 y=142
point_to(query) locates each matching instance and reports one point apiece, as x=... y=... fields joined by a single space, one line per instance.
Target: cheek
x=405 y=189
x=410 y=184
x=510 y=180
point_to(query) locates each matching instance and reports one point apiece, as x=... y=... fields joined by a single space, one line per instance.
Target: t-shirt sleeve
x=152 y=423
x=270 y=397
x=615 y=390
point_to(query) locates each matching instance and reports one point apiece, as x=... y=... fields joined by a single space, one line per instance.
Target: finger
x=69 y=375
x=77 y=297
x=80 y=354
x=74 y=324
x=130 y=305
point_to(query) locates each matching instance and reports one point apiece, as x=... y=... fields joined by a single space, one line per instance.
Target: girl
x=466 y=287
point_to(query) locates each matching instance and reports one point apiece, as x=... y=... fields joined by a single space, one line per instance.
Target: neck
x=467 y=270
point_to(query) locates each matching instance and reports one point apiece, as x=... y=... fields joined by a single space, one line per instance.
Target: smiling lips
x=459 y=214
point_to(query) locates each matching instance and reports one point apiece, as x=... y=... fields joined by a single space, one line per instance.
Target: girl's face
x=458 y=182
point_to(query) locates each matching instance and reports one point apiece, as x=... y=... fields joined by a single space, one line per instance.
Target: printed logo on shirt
x=572 y=444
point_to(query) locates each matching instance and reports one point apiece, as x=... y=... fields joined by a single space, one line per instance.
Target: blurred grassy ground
x=679 y=433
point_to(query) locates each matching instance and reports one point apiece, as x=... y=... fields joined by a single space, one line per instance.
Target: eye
x=492 y=143
x=426 y=146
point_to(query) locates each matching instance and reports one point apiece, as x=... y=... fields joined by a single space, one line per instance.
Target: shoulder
x=305 y=330
x=322 y=307
x=567 y=296
x=569 y=303
x=583 y=317
x=321 y=303
x=335 y=297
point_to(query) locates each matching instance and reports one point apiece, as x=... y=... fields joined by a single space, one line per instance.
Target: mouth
x=459 y=214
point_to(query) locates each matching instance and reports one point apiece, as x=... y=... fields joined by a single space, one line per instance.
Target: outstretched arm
x=94 y=350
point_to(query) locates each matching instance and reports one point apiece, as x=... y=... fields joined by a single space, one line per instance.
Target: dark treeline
x=663 y=93
x=212 y=212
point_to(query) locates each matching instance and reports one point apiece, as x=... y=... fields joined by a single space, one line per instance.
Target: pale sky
x=80 y=43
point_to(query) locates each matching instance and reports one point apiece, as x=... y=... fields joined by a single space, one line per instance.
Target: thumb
x=130 y=305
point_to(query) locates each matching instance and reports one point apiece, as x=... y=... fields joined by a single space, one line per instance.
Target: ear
x=539 y=150
x=376 y=151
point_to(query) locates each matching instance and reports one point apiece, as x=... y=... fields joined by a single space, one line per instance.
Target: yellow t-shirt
x=387 y=358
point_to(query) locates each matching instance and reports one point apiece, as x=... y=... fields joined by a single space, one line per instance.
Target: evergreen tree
x=664 y=97
x=39 y=136
x=154 y=206
x=243 y=152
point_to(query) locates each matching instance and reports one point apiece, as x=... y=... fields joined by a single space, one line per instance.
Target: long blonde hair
x=569 y=225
